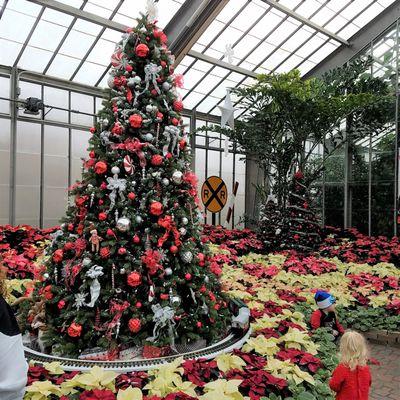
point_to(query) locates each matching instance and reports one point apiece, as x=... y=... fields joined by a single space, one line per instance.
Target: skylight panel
x=63 y=66
x=89 y=73
x=76 y=44
x=47 y=35
x=15 y=25
x=9 y=51
x=34 y=59
x=101 y=52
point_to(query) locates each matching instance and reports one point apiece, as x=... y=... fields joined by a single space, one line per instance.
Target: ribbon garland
x=170 y=226
x=117 y=310
x=172 y=134
x=152 y=73
x=116 y=185
x=133 y=146
x=163 y=316
x=94 y=272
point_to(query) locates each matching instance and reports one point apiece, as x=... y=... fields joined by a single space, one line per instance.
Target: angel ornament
x=95 y=239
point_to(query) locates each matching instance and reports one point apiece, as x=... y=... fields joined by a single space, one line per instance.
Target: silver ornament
x=86 y=261
x=90 y=186
x=118 y=290
x=175 y=300
x=177 y=177
x=168 y=271
x=138 y=219
x=166 y=86
x=122 y=271
x=187 y=257
x=63 y=226
x=155 y=109
x=110 y=82
x=115 y=170
x=182 y=231
x=206 y=279
x=104 y=123
x=46 y=276
x=123 y=224
x=149 y=108
x=185 y=221
x=148 y=137
x=165 y=181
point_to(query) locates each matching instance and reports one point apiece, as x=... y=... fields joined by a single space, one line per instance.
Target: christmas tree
x=302 y=230
x=129 y=267
x=270 y=225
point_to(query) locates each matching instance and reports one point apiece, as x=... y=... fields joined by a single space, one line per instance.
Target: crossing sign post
x=214 y=195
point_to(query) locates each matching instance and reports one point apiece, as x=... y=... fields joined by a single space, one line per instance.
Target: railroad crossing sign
x=214 y=194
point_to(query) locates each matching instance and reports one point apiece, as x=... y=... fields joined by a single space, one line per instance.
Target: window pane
x=56 y=98
x=82 y=103
x=5 y=170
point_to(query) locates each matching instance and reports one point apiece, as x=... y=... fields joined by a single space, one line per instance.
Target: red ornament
x=102 y=216
x=138 y=304
x=160 y=35
x=61 y=304
x=169 y=155
x=134 y=279
x=80 y=200
x=92 y=154
x=173 y=249
x=69 y=246
x=135 y=120
x=70 y=227
x=217 y=306
x=117 y=129
x=188 y=276
x=120 y=81
x=103 y=186
x=47 y=292
x=156 y=160
x=156 y=208
x=201 y=257
x=110 y=232
x=160 y=115
x=175 y=121
x=299 y=175
x=203 y=289
x=199 y=324
x=129 y=68
x=101 y=202
x=100 y=167
x=163 y=64
x=131 y=196
x=142 y=50
x=74 y=330
x=122 y=251
x=134 y=325
x=92 y=129
x=164 y=296
x=182 y=144
x=136 y=239
x=104 y=252
x=58 y=256
x=178 y=105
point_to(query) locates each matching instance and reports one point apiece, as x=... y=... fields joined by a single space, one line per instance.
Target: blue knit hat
x=324 y=299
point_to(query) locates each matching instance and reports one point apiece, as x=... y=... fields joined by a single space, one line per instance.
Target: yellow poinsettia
x=239 y=294
x=222 y=389
x=54 y=368
x=42 y=390
x=300 y=340
x=265 y=322
x=226 y=362
x=164 y=385
x=262 y=345
x=255 y=305
x=380 y=300
x=130 y=394
x=95 y=378
x=287 y=370
x=168 y=370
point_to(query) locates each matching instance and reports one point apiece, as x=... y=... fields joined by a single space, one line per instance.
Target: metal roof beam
x=189 y=23
x=359 y=40
x=76 y=12
x=223 y=64
x=306 y=21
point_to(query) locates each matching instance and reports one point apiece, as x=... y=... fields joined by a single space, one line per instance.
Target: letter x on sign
x=214 y=194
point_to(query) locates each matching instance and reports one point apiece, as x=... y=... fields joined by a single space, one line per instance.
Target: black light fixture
x=33 y=106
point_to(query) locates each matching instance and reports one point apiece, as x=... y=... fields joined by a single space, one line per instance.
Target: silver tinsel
x=123 y=224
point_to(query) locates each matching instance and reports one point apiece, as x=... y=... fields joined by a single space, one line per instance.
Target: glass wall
x=49 y=148
x=360 y=179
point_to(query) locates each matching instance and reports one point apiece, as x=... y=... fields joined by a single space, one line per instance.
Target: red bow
x=167 y=223
x=133 y=146
x=117 y=309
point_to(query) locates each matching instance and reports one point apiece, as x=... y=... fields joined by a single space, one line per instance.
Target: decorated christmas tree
x=270 y=225
x=301 y=226
x=129 y=267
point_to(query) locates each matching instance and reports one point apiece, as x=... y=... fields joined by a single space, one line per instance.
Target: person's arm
x=369 y=377
x=337 y=379
x=315 y=320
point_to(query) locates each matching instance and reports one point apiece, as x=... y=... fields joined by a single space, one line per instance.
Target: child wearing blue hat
x=326 y=316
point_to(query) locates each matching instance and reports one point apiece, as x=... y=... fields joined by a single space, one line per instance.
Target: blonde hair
x=353 y=350
x=3 y=278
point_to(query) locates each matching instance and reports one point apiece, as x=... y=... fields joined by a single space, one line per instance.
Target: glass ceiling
x=263 y=39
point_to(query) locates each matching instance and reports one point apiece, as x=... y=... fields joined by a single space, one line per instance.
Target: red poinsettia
x=302 y=358
x=135 y=379
x=97 y=394
x=200 y=371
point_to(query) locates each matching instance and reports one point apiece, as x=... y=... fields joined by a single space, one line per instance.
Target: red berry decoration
x=138 y=304
x=129 y=68
x=188 y=276
x=199 y=324
x=134 y=325
x=156 y=160
x=164 y=296
x=142 y=50
x=58 y=256
x=92 y=129
x=104 y=252
x=156 y=208
x=103 y=186
x=101 y=202
x=110 y=232
x=122 y=251
x=100 y=167
x=154 y=92
x=178 y=106
x=92 y=154
x=131 y=196
x=135 y=120
x=102 y=216
x=173 y=249
x=70 y=227
x=134 y=279
x=163 y=64
x=175 y=121
x=61 y=304
x=136 y=239
x=160 y=116
x=182 y=144
x=117 y=129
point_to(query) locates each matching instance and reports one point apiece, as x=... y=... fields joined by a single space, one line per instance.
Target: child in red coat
x=325 y=316
x=352 y=378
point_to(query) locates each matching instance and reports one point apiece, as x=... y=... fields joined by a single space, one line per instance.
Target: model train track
x=232 y=341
